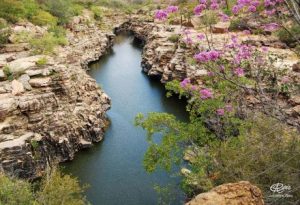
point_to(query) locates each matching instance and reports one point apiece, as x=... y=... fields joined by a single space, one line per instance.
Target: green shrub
x=77 y=9
x=11 y=10
x=238 y=25
x=21 y=37
x=14 y=192
x=209 y=18
x=97 y=12
x=267 y=153
x=289 y=36
x=31 y=8
x=59 y=8
x=4 y=35
x=7 y=71
x=55 y=190
x=43 y=18
x=61 y=189
x=174 y=38
x=46 y=44
x=42 y=61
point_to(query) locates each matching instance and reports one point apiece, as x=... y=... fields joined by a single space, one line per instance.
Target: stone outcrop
x=166 y=58
x=241 y=193
x=49 y=112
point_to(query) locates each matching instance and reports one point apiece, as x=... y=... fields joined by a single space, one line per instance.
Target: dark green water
x=113 y=168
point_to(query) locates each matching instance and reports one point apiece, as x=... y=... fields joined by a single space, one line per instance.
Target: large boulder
x=241 y=193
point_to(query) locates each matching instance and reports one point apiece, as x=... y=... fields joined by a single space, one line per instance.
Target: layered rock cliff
x=50 y=110
x=167 y=57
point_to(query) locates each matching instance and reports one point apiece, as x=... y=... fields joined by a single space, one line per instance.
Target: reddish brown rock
x=241 y=193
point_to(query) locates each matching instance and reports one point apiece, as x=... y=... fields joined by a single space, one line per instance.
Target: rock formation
x=167 y=58
x=50 y=111
x=241 y=193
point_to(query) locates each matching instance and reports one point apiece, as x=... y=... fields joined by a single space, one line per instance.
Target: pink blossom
x=223 y=17
x=252 y=8
x=265 y=49
x=220 y=111
x=201 y=36
x=239 y=72
x=271 y=27
x=206 y=56
x=285 y=79
x=247 y=32
x=206 y=93
x=199 y=8
x=185 y=82
x=228 y=108
x=172 y=9
x=210 y=74
x=214 y=6
x=161 y=15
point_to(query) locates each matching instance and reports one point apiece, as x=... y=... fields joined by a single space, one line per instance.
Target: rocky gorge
x=168 y=59
x=49 y=112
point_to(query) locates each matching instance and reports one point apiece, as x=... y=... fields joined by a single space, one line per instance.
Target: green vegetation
x=57 y=189
x=41 y=62
x=44 y=18
x=174 y=38
x=46 y=44
x=290 y=36
x=222 y=148
x=97 y=12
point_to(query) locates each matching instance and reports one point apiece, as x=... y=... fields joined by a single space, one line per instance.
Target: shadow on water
x=113 y=168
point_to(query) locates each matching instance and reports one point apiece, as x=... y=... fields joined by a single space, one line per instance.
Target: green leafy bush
x=14 y=192
x=59 y=8
x=290 y=36
x=42 y=61
x=174 y=38
x=97 y=12
x=61 y=189
x=265 y=154
x=4 y=35
x=238 y=25
x=46 y=44
x=11 y=10
x=57 y=189
x=43 y=18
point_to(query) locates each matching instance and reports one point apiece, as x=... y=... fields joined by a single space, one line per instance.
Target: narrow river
x=113 y=168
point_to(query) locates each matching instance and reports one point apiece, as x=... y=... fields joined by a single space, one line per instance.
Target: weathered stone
x=241 y=193
x=65 y=114
x=2 y=75
x=296 y=67
x=24 y=80
x=22 y=64
x=40 y=82
x=221 y=27
x=17 y=87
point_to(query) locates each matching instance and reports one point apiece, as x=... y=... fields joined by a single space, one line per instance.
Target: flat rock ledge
x=241 y=193
x=51 y=111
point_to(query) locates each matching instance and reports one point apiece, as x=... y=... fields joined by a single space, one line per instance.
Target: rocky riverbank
x=167 y=57
x=52 y=110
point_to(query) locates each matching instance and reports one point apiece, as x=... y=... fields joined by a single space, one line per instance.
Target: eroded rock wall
x=168 y=58
x=51 y=110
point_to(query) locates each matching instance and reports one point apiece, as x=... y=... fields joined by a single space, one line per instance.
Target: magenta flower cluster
x=206 y=93
x=207 y=56
x=163 y=14
x=204 y=4
x=221 y=111
x=252 y=6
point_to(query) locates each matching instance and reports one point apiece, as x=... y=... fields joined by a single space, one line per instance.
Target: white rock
x=17 y=87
